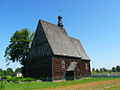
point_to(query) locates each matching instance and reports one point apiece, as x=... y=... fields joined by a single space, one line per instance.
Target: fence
x=106 y=75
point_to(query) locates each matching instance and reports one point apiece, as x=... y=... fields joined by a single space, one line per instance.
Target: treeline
x=9 y=72
x=113 y=69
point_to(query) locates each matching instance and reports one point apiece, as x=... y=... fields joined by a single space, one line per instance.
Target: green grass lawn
x=41 y=85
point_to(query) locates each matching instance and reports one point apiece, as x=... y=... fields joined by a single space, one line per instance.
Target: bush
x=20 y=79
x=2 y=85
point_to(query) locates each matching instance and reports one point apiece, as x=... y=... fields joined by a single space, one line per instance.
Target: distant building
x=56 y=56
x=17 y=74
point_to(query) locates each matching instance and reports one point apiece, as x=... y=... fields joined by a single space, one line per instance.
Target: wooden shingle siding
x=85 y=72
x=41 y=67
x=59 y=72
x=40 y=46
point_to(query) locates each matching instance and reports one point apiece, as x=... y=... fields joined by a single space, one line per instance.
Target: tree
x=9 y=71
x=0 y=72
x=118 y=68
x=97 y=70
x=113 y=69
x=18 y=70
x=93 y=69
x=19 y=47
x=101 y=70
x=104 y=69
x=4 y=73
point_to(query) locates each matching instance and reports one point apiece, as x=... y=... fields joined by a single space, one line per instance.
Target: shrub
x=2 y=85
x=20 y=79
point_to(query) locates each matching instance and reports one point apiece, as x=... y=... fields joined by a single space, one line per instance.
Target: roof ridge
x=74 y=38
x=48 y=22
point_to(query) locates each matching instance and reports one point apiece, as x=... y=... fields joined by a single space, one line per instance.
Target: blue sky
x=95 y=22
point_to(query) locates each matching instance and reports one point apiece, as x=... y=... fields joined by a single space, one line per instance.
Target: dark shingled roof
x=60 y=43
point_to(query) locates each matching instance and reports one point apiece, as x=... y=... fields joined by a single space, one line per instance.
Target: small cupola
x=60 y=24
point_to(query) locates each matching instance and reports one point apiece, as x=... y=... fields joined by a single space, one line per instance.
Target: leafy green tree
x=0 y=72
x=118 y=68
x=4 y=73
x=113 y=69
x=93 y=69
x=19 y=47
x=101 y=70
x=97 y=70
x=18 y=70
x=104 y=69
x=9 y=71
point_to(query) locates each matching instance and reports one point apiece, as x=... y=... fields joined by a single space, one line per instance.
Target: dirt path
x=101 y=85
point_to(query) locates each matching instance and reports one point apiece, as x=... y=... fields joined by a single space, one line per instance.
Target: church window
x=63 y=63
x=86 y=66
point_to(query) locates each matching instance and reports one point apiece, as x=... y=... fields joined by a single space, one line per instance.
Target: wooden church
x=56 y=56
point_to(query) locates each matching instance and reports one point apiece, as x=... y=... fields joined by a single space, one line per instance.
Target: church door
x=69 y=75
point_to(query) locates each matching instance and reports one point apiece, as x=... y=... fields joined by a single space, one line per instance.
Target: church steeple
x=60 y=24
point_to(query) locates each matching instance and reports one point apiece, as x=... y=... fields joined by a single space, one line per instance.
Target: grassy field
x=54 y=85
